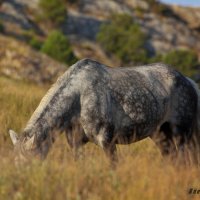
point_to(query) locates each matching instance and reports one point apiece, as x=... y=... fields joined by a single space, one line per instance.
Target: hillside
x=167 y=27
x=19 y=61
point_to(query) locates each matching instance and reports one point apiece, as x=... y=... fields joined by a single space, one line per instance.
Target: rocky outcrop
x=84 y=20
x=190 y=15
x=17 y=17
x=165 y=33
x=19 y=61
x=102 y=9
x=81 y=25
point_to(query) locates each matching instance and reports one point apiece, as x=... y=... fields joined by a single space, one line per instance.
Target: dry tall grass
x=141 y=174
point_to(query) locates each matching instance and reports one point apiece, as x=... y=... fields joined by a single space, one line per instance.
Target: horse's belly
x=129 y=140
x=133 y=133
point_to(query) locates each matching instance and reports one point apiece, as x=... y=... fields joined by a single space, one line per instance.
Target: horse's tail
x=196 y=131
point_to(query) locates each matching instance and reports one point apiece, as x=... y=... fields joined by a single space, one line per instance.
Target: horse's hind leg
x=172 y=140
x=186 y=144
x=164 y=140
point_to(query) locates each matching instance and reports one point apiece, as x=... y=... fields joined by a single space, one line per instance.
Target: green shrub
x=32 y=39
x=53 y=11
x=35 y=43
x=58 y=47
x=1 y=27
x=156 y=59
x=72 y=1
x=183 y=60
x=123 y=38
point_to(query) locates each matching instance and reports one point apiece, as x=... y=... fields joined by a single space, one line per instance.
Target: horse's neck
x=54 y=111
x=41 y=128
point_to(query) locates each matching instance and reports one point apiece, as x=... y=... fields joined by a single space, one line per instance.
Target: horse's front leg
x=111 y=153
x=109 y=147
x=76 y=139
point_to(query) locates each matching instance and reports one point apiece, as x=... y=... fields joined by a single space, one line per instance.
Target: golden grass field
x=141 y=174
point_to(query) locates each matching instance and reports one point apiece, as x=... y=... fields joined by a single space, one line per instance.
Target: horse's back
x=139 y=98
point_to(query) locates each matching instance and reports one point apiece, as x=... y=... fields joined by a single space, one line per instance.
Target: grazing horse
x=114 y=106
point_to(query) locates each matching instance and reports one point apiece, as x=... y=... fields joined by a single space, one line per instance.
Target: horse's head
x=24 y=147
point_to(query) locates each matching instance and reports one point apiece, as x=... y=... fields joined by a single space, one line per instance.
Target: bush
x=32 y=39
x=1 y=27
x=183 y=60
x=72 y=1
x=156 y=59
x=53 y=10
x=124 y=39
x=58 y=47
x=35 y=43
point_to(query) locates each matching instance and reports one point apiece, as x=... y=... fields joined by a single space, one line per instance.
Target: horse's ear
x=14 y=137
x=30 y=143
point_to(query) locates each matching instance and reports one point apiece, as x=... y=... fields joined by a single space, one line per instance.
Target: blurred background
x=39 y=39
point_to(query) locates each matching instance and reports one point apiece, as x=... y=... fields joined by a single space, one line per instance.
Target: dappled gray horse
x=113 y=106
